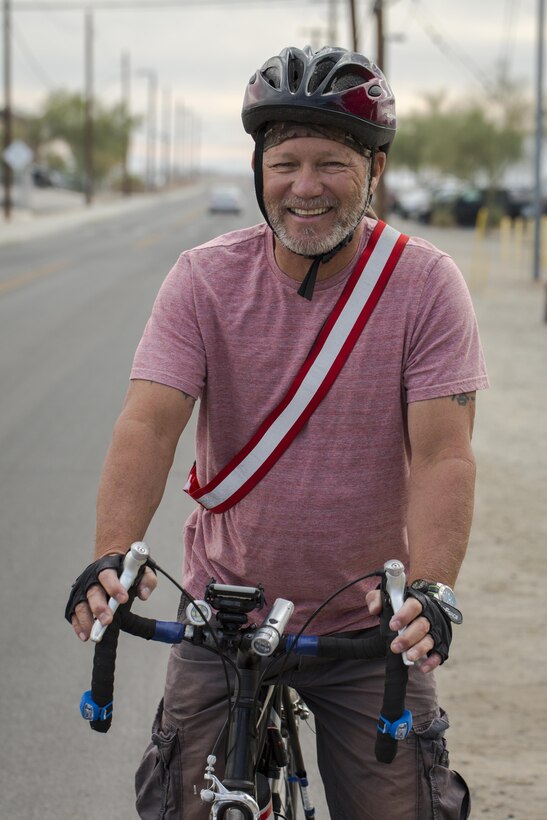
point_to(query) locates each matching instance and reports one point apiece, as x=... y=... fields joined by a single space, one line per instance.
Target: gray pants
x=345 y=698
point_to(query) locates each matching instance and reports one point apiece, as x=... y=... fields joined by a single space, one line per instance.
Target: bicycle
x=265 y=776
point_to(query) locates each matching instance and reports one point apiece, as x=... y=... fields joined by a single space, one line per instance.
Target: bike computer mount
x=233 y=603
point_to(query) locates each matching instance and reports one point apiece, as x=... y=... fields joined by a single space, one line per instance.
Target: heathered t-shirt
x=229 y=328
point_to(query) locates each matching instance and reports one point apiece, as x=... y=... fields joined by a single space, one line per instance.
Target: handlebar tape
x=352 y=649
x=393 y=707
x=104 y=658
x=102 y=678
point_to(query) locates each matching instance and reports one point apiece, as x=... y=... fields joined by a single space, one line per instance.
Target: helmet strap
x=259 y=173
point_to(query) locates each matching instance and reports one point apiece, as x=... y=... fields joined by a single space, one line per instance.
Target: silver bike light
x=266 y=638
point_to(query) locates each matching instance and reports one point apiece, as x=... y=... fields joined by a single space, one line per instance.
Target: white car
x=226 y=200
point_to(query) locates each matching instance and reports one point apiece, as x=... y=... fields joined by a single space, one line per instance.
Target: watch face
x=447 y=595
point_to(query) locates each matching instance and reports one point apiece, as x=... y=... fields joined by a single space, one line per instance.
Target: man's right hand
x=94 y=604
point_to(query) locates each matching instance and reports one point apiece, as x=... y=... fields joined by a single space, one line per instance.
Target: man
x=382 y=468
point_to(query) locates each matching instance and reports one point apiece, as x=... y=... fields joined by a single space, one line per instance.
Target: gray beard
x=310 y=243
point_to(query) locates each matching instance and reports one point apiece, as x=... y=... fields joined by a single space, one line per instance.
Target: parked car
x=411 y=203
x=226 y=200
x=43 y=177
x=462 y=207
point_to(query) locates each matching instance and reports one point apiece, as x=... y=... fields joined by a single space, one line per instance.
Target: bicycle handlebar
x=394 y=722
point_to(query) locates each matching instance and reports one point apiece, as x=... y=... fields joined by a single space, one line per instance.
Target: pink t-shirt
x=229 y=327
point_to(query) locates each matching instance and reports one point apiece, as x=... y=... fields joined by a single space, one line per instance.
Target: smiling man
x=375 y=462
x=317 y=190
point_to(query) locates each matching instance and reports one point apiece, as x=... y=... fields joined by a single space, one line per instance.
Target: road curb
x=27 y=227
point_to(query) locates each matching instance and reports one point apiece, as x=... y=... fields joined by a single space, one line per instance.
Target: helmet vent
x=272 y=75
x=343 y=81
x=295 y=72
x=321 y=70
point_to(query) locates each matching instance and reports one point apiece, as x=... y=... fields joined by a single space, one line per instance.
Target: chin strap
x=308 y=283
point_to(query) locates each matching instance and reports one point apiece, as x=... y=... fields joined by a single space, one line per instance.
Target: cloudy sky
x=204 y=51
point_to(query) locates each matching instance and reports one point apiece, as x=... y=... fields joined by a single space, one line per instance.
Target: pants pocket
x=446 y=794
x=158 y=778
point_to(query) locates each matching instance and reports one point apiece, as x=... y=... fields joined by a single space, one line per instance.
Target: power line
x=453 y=52
x=33 y=63
x=509 y=33
x=144 y=5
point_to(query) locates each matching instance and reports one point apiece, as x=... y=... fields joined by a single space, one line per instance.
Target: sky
x=203 y=53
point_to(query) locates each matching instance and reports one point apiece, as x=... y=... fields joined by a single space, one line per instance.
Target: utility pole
x=7 y=108
x=332 y=37
x=152 y=82
x=538 y=204
x=167 y=135
x=380 y=195
x=378 y=11
x=126 y=112
x=88 y=110
x=180 y=115
x=354 y=32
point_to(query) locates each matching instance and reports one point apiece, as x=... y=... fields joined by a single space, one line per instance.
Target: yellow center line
x=147 y=241
x=31 y=276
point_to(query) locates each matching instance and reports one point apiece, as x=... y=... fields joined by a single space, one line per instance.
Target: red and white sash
x=314 y=379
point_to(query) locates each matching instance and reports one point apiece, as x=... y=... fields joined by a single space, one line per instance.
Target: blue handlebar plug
x=92 y=711
x=398 y=729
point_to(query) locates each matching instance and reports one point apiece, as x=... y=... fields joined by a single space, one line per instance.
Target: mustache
x=318 y=202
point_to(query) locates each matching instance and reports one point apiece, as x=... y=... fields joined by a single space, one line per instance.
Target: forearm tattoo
x=463 y=399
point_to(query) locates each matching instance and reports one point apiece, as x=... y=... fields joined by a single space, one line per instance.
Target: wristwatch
x=443 y=594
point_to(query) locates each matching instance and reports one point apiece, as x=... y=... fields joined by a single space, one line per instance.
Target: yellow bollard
x=505 y=238
x=481 y=223
x=479 y=261
x=544 y=242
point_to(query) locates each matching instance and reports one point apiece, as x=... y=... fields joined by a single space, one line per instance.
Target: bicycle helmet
x=332 y=87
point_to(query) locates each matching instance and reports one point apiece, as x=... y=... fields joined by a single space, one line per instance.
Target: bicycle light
x=199 y=613
x=266 y=638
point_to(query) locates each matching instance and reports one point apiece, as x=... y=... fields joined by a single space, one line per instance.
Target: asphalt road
x=72 y=308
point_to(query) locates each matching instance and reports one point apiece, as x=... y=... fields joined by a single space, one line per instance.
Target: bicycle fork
x=223 y=799
x=235 y=792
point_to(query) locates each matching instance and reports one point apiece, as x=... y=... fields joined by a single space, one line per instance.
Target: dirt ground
x=494 y=684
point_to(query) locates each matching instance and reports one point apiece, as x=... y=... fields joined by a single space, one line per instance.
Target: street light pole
x=538 y=205
x=7 y=107
x=89 y=113
x=152 y=84
x=126 y=115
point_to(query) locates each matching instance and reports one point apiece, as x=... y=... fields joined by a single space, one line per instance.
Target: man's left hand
x=415 y=640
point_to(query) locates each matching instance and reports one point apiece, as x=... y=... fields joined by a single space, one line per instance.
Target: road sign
x=18 y=155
